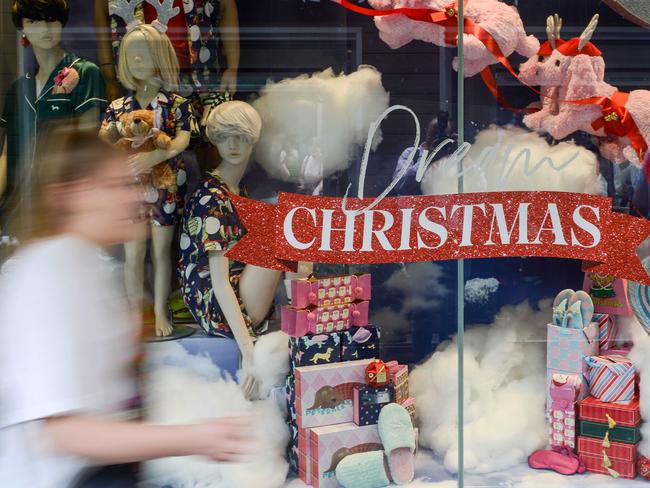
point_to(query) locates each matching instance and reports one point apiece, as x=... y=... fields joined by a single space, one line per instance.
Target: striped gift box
x=607 y=330
x=616 y=450
x=611 y=378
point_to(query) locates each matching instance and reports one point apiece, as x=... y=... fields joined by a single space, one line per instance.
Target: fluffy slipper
x=586 y=306
x=563 y=462
x=398 y=437
x=364 y=470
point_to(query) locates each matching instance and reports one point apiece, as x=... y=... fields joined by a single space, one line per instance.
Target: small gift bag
x=611 y=378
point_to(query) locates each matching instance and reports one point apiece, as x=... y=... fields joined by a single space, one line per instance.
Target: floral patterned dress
x=173 y=114
x=210 y=223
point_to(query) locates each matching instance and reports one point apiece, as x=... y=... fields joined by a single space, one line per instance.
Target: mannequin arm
x=230 y=38
x=143 y=162
x=225 y=295
x=105 y=50
x=109 y=442
x=3 y=168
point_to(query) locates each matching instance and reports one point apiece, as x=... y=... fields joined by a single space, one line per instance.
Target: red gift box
x=594 y=464
x=594 y=410
x=399 y=375
x=616 y=450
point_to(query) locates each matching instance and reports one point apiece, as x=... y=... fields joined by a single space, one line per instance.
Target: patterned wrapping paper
x=566 y=348
x=304 y=455
x=611 y=378
x=330 y=291
x=608 y=294
x=584 y=391
x=322 y=320
x=616 y=450
x=360 y=343
x=409 y=405
x=564 y=390
x=292 y=448
x=369 y=401
x=607 y=330
x=324 y=393
x=593 y=410
x=330 y=444
x=626 y=435
x=594 y=464
x=314 y=349
x=399 y=375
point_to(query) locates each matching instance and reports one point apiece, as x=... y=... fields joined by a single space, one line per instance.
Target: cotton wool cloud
x=515 y=159
x=312 y=124
x=505 y=378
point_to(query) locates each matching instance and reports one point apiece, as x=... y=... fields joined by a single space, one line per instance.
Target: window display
x=371 y=243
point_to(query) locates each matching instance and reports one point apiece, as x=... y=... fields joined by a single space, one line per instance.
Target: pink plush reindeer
x=501 y=21
x=572 y=76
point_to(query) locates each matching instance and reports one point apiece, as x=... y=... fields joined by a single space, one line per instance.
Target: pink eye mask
x=564 y=461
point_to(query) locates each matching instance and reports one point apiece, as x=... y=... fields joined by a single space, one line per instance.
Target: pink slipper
x=564 y=461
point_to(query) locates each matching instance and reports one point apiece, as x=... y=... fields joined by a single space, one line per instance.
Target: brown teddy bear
x=138 y=134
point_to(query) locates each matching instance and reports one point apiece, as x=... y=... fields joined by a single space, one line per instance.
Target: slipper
x=398 y=437
x=586 y=306
x=564 y=462
x=363 y=470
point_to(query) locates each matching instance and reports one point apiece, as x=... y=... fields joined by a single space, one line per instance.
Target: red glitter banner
x=435 y=228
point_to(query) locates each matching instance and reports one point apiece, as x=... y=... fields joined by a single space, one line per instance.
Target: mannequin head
x=234 y=128
x=81 y=185
x=147 y=55
x=41 y=21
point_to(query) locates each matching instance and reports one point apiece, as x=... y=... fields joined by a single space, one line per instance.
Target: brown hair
x=65 y=154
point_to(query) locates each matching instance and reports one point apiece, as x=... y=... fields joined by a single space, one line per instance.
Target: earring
x=24 y=41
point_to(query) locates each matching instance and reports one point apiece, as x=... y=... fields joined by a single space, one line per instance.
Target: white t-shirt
x=66 y=347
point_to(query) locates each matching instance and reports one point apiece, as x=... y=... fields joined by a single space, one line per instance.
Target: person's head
x=80 y=184
x=147 y=54
x=437 y=130
x=41 y=21
x=234 y=128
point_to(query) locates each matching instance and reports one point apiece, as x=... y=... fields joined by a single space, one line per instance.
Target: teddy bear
x=135 y=133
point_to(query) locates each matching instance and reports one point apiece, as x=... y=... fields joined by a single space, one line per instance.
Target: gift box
x=608 y=293
x=315 y=349
x=304 y=457
x=399 y=376
x=611 y=378
x=593 y=410
x=564 y=391
x=336 y=318
x=292 y=448
x=409 y=405
x=595 y=464
x=616 y=450
x=607 y=330
x=360 y=343
x=331 y=444
x=330 y=291
x=369 y=401
x=627 y=435
x=566 y=348
x=583 y=393
x=324 y=393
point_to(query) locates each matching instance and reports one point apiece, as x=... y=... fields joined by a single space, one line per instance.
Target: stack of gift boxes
x=592 y=403
x=333 y=403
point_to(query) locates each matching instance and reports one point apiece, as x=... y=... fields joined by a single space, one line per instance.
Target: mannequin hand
x=228 y=440
x=249 y=384
x=229 y=81
x=144 y=161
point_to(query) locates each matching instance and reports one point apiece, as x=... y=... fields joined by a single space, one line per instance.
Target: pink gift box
x=564 y=391
x=304 y=458
x=322 y=320
x=609 y=294
x=331 y=444
x=566 y=348
x=324 y=393
x=582 y=394
x=399 y=375
x=330 y=291
x=409 y=405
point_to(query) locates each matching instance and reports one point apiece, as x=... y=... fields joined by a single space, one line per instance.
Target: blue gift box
x=292 y=448
x=369 y=401
x=311 y=350
x=360 y=343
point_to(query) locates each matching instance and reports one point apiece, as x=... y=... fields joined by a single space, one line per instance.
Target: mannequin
x=63 y=87
x=226 y=297
x=148 y=66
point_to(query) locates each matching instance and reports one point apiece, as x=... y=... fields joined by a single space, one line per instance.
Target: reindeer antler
x=553 y=28
x=165 y=11
x=558 y=25
x=585 y=37
x=124 y=9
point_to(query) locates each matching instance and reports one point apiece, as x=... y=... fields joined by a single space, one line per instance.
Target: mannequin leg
x=161 y=238
x=134 y=252
x=257 y=288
